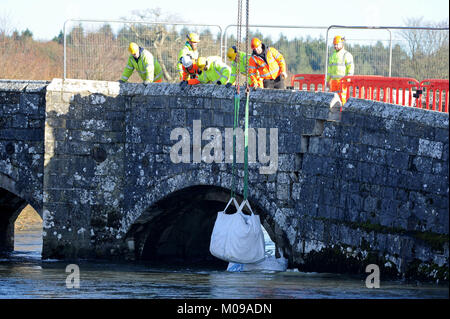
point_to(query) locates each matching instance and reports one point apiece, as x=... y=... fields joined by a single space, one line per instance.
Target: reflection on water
x=29 y=240
x=24 y=275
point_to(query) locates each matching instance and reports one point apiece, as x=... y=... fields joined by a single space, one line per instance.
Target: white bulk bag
x=237 y=237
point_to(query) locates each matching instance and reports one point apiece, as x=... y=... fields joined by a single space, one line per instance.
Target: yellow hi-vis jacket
x=340 y=65
x=242 y=65
x=186 y=50
x=147 y=66
x=217 y=71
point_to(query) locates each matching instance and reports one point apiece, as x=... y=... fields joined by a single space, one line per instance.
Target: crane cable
x=247 y=93
x=237 y=100
x=236 y=96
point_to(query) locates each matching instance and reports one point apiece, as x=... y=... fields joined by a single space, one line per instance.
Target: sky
x=45 y=18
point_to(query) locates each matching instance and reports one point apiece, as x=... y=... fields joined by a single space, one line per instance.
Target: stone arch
x=190 y=178
x=9 y=184
x=12 y=202
x=161 y=231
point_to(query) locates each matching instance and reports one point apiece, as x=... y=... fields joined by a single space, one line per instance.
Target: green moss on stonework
x=369 y=227
x=434 y=240
x=331 y=259
x=419 y=270
x=365 y=245
x=336 y=260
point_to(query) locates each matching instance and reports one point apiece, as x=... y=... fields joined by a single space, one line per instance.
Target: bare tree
x=157 y=34
x=428 y=49
x=6 y=27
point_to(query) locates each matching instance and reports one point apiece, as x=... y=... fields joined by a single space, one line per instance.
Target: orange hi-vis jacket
x=271 y=70
x=188 y=75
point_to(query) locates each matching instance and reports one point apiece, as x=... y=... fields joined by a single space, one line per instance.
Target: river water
x=24 y=275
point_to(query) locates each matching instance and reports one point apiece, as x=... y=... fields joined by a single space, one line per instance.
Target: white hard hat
x=186 y=60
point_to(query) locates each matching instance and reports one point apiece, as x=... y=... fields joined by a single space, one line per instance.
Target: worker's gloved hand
x=283 y=75
x=121 y=81
x=228 y=85
x=183 y=84
x=218 y=83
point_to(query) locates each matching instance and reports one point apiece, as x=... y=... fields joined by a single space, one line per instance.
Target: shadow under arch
x=12 y=202
x=177 y=229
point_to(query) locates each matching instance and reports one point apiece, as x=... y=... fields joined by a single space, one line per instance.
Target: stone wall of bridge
x=365 y=185
x=22 y=117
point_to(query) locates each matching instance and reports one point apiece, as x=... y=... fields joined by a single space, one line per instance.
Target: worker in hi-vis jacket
x=145 y=64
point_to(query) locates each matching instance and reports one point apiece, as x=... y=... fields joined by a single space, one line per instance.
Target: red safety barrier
x=429 y=89
x=402 y=91
x=309 y=79
x=381 y=88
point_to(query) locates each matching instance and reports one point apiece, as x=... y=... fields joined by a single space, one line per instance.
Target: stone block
x=9 y=98
x=288 y=143
x=178 y=117
x=423 y=164
x=430 y=148
x=374 y=155
x=374 y=139
x=19 y=121
x=398 y=160
x=331 y=130
x=441 y=135
x=286 y=163
x=370 y=204
x=307 y=127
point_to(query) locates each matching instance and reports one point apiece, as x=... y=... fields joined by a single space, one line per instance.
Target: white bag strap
x=246 y=202
x=232 y=199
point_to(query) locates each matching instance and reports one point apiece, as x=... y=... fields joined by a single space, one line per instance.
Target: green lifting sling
x=237 y=102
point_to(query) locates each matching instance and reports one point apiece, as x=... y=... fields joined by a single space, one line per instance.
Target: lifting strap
x=237 y=102
x=246 y=149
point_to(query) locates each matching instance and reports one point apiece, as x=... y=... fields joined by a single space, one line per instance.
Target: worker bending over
x=190 y=69
x=240 y=59
x=190 y=48
x=213 y=70
x=340 y=64
x=143 y=61
x=269 y=63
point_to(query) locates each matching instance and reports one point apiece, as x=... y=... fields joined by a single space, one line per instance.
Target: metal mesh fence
x=419 y=53
x=303 y=47
x=97 y=50
x=405 y=52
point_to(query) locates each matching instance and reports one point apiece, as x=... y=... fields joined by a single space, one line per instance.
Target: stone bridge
x=130 y=172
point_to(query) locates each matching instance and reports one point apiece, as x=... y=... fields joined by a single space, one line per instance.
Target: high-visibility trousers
x=335 y=86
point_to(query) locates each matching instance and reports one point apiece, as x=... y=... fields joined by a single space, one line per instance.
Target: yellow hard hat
x=193 y=37
x=133 y=48
x=231 y=53
x=338 y=39
x=201 y=63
